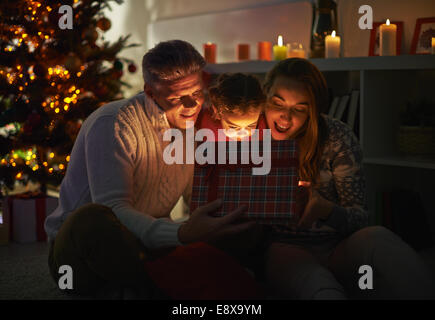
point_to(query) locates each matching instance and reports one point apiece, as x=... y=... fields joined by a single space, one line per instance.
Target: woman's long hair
x=311 y=139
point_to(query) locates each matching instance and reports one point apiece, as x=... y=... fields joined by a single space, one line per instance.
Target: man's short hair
x=171 y=60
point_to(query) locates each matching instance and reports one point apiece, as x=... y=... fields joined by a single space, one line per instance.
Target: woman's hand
x=316 y=208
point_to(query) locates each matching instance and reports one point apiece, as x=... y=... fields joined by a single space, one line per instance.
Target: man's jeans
x=100 y=251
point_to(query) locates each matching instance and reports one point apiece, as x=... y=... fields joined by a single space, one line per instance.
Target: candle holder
x=296 y=50
x=264 y=49
x=279 y=51
x=209 y=52
x=243 y=52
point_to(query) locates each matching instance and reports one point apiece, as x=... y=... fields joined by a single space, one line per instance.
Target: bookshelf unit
x=385 y=85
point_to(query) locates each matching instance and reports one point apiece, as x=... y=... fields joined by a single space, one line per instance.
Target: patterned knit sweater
x=117 y=161
x=342 y=181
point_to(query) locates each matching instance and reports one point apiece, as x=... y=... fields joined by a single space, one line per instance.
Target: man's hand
x=201 y=226
x=316 y=208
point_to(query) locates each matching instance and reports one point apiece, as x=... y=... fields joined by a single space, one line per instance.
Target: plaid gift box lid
x=270 y=198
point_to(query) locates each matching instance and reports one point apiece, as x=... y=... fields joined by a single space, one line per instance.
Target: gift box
x=270 y=198
x=26 y=214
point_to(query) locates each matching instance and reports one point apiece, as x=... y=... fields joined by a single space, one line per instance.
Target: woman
x=321 y=257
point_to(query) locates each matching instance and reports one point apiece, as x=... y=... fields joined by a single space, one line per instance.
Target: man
x=117 y=193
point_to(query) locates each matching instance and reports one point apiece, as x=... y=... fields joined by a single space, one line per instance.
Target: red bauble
x=132 y=68
x=104 y=24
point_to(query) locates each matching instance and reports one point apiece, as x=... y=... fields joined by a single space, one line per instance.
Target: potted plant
x=417 y=128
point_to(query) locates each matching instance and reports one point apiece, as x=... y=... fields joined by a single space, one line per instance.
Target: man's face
x=180 y=99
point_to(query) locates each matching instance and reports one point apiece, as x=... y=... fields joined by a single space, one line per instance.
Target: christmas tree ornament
x=90 y=34
x=118 y=65
x=104 y=24
x=132 y=68
x=72 y=62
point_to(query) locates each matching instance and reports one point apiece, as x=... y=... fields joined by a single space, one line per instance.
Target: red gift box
x=27 y=213
x=270 y=198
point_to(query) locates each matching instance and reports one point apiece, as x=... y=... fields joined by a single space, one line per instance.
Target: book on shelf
x=353 y=108
x=341 y=107
x=333 y=107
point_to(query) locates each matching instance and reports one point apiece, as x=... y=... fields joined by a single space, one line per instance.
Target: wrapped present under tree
x=25 y=214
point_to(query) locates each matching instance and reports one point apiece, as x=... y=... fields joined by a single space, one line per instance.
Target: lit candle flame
x=388 y=22
x=333 y=34
x=280 y=41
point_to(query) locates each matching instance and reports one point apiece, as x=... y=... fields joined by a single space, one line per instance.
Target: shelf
x=423 y=162
x=403 y=62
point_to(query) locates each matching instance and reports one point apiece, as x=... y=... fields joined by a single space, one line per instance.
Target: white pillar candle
x=387 y=39
x=433 y=45
x=332 y=46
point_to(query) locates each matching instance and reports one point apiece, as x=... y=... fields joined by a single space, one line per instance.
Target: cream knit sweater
x=117 y=161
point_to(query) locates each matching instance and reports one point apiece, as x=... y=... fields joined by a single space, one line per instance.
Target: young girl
x=321 y=257
x=237 y=102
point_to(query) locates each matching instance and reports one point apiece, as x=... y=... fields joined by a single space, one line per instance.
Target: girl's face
x=287 y=108
x=237 y=125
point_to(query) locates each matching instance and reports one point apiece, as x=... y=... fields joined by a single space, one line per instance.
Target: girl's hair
x=236 y=93
x=311 y=140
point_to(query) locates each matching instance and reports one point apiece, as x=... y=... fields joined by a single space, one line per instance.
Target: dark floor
x=24 y=273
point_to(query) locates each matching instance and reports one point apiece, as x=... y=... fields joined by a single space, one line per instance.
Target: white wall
x=229 y=28
x=134 y=16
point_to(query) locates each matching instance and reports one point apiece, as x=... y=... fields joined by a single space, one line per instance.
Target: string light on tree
x=47 y=84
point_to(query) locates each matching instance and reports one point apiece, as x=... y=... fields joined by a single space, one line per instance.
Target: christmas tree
x=51 y=79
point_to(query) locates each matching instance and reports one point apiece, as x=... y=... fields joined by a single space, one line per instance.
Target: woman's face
x=287 y=108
